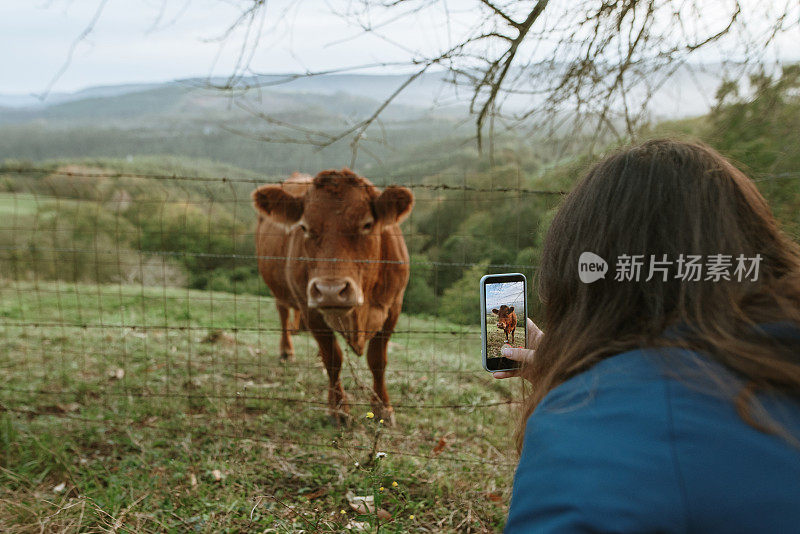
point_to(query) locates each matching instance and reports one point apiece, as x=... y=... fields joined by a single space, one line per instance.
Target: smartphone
x=504 y=308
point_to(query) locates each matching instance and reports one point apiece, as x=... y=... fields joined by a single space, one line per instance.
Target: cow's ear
x=511 y=309
x=393 y=205
x=273 y=201
x=495 y=311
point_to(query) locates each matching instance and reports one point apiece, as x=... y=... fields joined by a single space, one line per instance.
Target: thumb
x=517 y=354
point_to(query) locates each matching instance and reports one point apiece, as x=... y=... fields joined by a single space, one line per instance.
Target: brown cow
x=506 y=320
x=331 y=249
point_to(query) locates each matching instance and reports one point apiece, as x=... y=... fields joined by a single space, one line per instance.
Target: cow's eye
x=304 y=228
x=367 y=227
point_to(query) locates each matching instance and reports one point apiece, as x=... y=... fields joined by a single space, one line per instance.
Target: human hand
x=521 y=355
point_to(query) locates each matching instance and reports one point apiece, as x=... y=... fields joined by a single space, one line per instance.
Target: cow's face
x=503 y=316
x=339 y=222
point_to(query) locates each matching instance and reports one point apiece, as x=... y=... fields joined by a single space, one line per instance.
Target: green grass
x=20 y=204
x=119 y=394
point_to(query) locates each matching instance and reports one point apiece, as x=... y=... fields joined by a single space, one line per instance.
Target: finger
x=519 y=355
x=505 y=374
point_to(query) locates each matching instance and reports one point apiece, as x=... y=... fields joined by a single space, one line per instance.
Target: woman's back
x=627 y=446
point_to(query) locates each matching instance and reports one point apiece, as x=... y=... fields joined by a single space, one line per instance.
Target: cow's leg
x=513 y=329
x=332 y=358
x=297 y=321
x=286 y=346
x=376 y=358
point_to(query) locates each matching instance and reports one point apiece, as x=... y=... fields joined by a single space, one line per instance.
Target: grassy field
x=137 y=409
x=18 y=204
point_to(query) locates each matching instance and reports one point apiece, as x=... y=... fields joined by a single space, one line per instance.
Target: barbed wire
x=261 y=181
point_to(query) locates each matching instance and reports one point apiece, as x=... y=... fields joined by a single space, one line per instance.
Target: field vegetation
x=151 y=409
x=142 y=389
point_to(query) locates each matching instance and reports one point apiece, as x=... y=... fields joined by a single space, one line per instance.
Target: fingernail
x=506 y=351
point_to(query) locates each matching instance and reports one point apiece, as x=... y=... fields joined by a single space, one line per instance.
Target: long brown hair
x=667 y=197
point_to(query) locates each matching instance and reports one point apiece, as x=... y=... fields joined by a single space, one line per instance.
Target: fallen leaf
x=361 y=504
x=192 y=479
x=439 y=446
x=217 y=474
x=384 y=515
x=59 y=488
x=316 y=494
x=494 y=497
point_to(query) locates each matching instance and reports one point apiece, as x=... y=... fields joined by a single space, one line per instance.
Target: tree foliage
x=760 y=130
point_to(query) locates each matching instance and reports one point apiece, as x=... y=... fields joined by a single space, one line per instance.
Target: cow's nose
x=333 y=293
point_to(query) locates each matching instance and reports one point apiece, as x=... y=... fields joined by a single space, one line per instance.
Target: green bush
x=420 y=298
x=70 y=241
x=460 y=303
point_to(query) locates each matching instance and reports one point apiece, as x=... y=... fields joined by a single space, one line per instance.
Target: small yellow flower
x=394 y=484
x=370 y=415
x=342 y=512
x=381 y=488
x=381 y=421
x=411 y=516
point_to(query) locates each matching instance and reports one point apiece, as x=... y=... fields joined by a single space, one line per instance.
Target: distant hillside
x=186 y=118
x=33 y=100
x=689 y=91
x=182 y=118
x=183 y=101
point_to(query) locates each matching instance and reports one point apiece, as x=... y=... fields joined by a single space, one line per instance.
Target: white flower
x=380 y=455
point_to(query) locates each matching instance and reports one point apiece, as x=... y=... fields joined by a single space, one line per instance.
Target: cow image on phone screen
x=506 y=321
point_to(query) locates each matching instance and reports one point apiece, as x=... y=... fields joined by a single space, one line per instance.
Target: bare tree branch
x=497 y=82
x=87 y=30
x=587 y=67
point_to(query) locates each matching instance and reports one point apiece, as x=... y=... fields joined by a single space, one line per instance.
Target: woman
x=665 y=402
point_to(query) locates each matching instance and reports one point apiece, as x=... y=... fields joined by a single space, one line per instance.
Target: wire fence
x=137 y=259
x=134 y=299
x=132 y=310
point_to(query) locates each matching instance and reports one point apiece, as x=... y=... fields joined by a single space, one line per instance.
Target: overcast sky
x=159 y=40
x=134 y=41
x=508 y=293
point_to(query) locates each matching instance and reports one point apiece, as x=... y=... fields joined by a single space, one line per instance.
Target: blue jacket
x=628 y=447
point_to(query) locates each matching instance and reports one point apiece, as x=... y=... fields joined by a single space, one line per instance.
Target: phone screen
x=504 y=318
